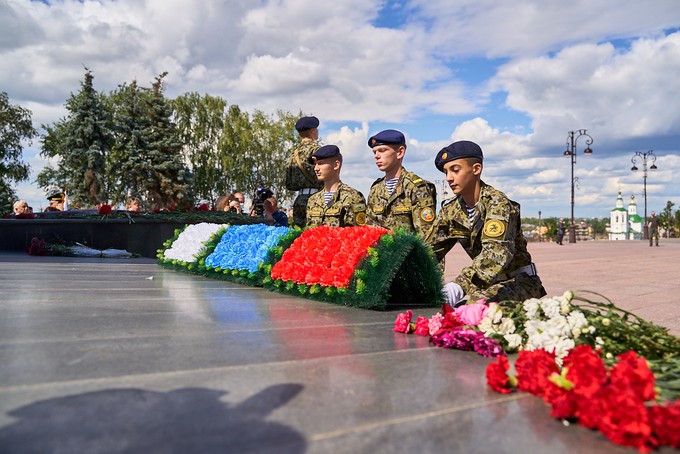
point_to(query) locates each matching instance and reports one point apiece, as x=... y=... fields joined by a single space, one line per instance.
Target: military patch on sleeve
x=494 y=228
x=360 y=218
x=427 y=214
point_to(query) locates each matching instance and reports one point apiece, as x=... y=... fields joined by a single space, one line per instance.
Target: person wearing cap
x=400 y=199
x=56 y=200
x=337 y=205
x=299 y=171
x=487 y=224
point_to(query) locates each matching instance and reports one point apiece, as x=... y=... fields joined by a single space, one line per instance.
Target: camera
x=262 y=193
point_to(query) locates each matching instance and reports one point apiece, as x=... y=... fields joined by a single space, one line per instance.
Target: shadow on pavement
x=136 y=420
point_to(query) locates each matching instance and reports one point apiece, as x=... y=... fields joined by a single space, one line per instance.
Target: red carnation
x=586 y=370
x=625 y=420
x=665 y=421
x=633 y=372
x=497 y=375
x=422 y=326
x=105 y=209
x=533 y=370
x=403 y=322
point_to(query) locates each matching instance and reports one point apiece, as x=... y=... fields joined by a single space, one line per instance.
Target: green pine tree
x=81 y=142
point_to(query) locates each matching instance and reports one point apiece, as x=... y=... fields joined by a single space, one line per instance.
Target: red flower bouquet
x=326 y=255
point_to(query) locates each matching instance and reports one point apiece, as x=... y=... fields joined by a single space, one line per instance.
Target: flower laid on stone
x=619 y=400
x=591 y=361
x=190 y=242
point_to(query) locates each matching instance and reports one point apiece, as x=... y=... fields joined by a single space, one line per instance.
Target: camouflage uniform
x=411 y=205
x=297 y=178
x=346 y=208
x=494 y=243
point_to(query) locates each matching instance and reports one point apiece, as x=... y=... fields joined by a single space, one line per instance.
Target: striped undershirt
x=327 y=196
x=471 y=213
x=391 y=184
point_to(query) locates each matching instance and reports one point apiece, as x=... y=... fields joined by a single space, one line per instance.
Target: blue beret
x=307 y=123
x=458 y=150
x=387 y=137
x=327 y=151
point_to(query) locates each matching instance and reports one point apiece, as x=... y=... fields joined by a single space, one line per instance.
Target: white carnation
x=190 y=242
x=513 y=340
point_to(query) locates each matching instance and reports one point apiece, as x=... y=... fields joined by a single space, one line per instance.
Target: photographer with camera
x=262 y=193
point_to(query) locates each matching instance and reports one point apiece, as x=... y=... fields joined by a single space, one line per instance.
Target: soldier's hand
x=453 y=293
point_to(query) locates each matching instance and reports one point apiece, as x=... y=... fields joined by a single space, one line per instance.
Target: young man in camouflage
x=299 y=172
x=337 y=205
x=400 y=199
x=487 y=224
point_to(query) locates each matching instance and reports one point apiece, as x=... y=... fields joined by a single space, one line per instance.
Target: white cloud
x=562 y=65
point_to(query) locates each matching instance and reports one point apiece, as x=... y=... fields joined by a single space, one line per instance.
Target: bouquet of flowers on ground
x=592 y=361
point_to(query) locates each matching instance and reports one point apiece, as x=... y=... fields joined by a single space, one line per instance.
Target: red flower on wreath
x=105 y=209
x=326 y=255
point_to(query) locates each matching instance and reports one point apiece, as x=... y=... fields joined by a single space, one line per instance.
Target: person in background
x=400 y=199
x=488 y=226
x=56 y=200
x=560 y=231
x=21 y=207
x=133 y=204
x=653 y=226
x=299 y=171
x=222 y=203
x=337 y=204
x=271 y=211
x=235 y=206
x=241 y=201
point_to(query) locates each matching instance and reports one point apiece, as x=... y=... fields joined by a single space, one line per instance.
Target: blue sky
x=513 y=76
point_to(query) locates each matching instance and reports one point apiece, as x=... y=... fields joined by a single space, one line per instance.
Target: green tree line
x=134 y=141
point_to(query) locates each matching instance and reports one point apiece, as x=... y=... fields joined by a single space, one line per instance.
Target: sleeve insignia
x=427 y=214
x=360 y=218
x=494 y=228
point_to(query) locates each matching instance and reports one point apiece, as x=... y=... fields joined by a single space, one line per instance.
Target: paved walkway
x=104 y=355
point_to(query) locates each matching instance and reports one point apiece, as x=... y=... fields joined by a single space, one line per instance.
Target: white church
x=625 y=224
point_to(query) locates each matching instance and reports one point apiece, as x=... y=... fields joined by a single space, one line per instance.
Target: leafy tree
x=666 y=217
x=81 y=142
x=599 y=225
x=200 y=122
x=15 y=126
x=230 y=150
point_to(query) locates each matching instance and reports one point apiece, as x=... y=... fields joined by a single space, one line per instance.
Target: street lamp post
x=643 y=156
x=539 y=226
x=571 y=151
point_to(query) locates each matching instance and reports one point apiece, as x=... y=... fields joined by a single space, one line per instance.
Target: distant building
x=625 y=224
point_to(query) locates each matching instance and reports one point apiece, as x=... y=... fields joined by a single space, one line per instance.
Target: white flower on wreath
x=190 y=241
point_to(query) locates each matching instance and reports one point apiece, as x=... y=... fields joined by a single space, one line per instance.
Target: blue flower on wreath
x=244 y=247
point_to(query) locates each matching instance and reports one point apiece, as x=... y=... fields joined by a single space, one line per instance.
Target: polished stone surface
x=104 y=355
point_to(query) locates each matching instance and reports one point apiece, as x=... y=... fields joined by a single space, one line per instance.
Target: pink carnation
x=403 y=322
x=422 y=327
x=436 y=323
x=471 y=314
